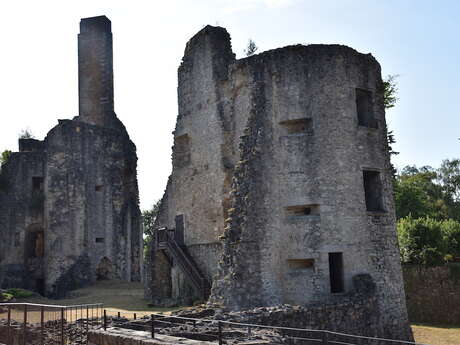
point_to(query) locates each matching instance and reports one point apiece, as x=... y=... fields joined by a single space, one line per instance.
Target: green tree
x=390 y=91
x=26 y=134
x=417 y=194
x=451 y=237
x=251 y=48
x=5 y=156
x=421 y=241
x=149 y=217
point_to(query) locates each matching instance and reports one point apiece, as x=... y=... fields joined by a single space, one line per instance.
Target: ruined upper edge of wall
x=219 y=41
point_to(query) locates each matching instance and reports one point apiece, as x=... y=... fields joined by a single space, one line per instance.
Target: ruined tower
x=281 y=187
x=69 y=208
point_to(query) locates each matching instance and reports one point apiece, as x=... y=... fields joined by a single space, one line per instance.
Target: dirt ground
x=128 y=298
x=117 y=296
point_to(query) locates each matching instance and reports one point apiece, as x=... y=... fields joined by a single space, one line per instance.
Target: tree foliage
x=390 y=91
x=149 y=217
x=26 y=134
x=251 y=48
x=427 y=241
x=5 y=156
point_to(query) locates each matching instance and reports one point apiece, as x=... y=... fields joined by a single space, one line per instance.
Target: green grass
x=20 y=293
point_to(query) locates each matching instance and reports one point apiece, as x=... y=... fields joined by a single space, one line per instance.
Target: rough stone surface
x=282 y=157
x=69 y=204
x=433 y=294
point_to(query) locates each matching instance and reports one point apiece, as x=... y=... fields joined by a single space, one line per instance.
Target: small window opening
x=302 y=210
x=35 y=244
x=364 y=107
x=299 y=264
x=100 y=239
x=298 y=126
x=98 y=188
x=17 y=239
x=336 y=272
x=181 y=150
x=37 y=184
x=373 y=190
x=40 y=286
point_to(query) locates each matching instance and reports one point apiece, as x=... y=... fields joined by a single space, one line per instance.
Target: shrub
x=19 y=293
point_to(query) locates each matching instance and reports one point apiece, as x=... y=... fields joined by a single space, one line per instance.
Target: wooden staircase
x=164 y=239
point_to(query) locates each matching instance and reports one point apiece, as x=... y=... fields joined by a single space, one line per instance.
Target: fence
x=220 y=331
x=40 y=324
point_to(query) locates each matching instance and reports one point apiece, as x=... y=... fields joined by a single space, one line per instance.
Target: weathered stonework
x=69 y=205
x=281 y=161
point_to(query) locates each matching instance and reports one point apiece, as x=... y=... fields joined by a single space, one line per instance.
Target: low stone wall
x=433 y=293
x=117 y=336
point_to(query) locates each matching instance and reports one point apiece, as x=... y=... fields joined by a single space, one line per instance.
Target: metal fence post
x=25 y=325
x=42 y=325
x=87 y=323
x=105 y=320
x=9 y=326
x=219 y=325
x=152 y=318
x=62 y=326
x=135 y=316
x=325 y=340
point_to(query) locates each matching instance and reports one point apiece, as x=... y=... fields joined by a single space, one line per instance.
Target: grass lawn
x=436 y=335
x=128 y=298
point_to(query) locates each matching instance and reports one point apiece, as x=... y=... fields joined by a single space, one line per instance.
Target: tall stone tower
x=69 y=205
x=281 y=187
x=95 y=70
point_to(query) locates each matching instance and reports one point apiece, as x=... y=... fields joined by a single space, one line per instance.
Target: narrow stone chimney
x=95 y=71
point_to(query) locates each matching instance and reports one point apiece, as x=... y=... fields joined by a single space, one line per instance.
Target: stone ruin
x=69 y=205
x=281 y=192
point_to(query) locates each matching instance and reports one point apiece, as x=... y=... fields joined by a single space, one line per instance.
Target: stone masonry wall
x=271 y=155
x=433 y=294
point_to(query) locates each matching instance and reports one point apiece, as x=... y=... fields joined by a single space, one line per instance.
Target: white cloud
x=234 y=6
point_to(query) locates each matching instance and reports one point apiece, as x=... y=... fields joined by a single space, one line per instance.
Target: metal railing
x=219 y=331
x=41 y=324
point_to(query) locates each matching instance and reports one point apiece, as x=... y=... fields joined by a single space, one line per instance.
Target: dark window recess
x=373 y=190
x=98 y=188
x=100 y=239
x=37 y=184
x=302 y=210
x=180 y=229
x=35 y=244
x=336 y=272
x=40 y=286
x=298 y=264
x=181 y=151
x=298 y=126
x=17 y=239
x=365 y=108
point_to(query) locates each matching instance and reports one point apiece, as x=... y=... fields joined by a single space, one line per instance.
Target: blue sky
x=38 y=65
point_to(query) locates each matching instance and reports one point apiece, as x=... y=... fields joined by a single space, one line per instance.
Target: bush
x=427 y=241
x=19 y=293
x=420 y=241
x=6 y=297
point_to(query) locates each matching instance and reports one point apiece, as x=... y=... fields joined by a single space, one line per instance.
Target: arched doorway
x=104 y=270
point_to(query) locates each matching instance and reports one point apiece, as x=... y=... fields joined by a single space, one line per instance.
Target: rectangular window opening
x=373 y=191
x=298 y=126
x=37 y=183
x=17 y=239
x=98 y=188
x=336 y=272
x=365 y=108
x=299 y=264
x=302 y=210
x=100 y=239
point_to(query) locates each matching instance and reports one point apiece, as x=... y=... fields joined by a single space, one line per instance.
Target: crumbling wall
x=76 y=191
x=300 y=166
